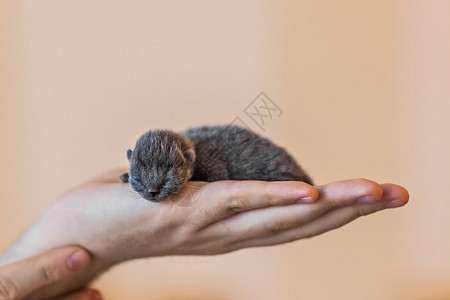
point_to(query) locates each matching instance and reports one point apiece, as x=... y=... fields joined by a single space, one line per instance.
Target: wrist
x=54 y=229
x=30 y=243
x=49 y=232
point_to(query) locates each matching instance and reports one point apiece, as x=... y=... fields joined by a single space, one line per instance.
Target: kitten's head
x=160 y=164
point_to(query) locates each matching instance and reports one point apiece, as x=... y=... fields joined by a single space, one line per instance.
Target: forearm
x=36 y=239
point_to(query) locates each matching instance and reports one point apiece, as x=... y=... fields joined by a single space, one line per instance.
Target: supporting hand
x=116 y=224
x=19 y=279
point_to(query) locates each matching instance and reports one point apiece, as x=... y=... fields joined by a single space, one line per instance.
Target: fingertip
x=395 y=192
x=369 y=189
x=314 y=193
x=311 y=196
x=78 y=260
x=403 y=194
x=293 y=191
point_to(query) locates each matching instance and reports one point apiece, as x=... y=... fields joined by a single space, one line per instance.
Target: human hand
x=19 y=279
x=219 y=217
x=116 y=224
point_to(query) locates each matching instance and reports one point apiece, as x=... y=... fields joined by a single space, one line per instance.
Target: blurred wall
x=363 y=89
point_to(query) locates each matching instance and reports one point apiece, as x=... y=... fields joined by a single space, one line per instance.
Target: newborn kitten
x=162 y=160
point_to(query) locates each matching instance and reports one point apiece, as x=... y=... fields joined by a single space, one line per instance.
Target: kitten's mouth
x=158 y=195
x=153 y=198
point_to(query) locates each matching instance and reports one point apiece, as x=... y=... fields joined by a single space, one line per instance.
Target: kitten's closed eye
x=136 y=184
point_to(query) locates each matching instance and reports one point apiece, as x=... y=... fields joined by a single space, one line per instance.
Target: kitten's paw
x=124 y=177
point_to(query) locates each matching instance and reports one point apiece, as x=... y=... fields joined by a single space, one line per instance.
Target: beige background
x=364 y=89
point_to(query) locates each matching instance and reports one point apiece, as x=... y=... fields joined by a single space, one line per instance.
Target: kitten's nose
x=153 y=193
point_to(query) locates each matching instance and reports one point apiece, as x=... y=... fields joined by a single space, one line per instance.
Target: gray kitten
x=162 y=160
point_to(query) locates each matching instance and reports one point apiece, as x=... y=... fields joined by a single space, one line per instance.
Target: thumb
x=19 y=279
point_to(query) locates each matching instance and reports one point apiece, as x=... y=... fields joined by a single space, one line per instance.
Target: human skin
x=21 y=278
x=115 y=224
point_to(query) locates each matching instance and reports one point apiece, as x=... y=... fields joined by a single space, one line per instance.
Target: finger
x=393 y=196
x=272 y=220
x=261 y=225
x=23 y=277
x=396 y=194
x=233 y=197
x=341 y=193
x=83 y=295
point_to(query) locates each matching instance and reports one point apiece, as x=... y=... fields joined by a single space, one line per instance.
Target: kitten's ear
x=189 y=154
x=129 y=152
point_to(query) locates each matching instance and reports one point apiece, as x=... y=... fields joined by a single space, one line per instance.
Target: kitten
x=163 y=161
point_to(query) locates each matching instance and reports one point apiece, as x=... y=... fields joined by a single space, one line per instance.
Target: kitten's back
x=236 y=153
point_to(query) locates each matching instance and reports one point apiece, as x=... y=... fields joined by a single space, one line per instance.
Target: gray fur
x=162 y=160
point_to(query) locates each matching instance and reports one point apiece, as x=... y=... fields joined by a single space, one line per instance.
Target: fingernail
x=78 y=260
x=366 y=199
x=394 y=203
x=305 y=200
